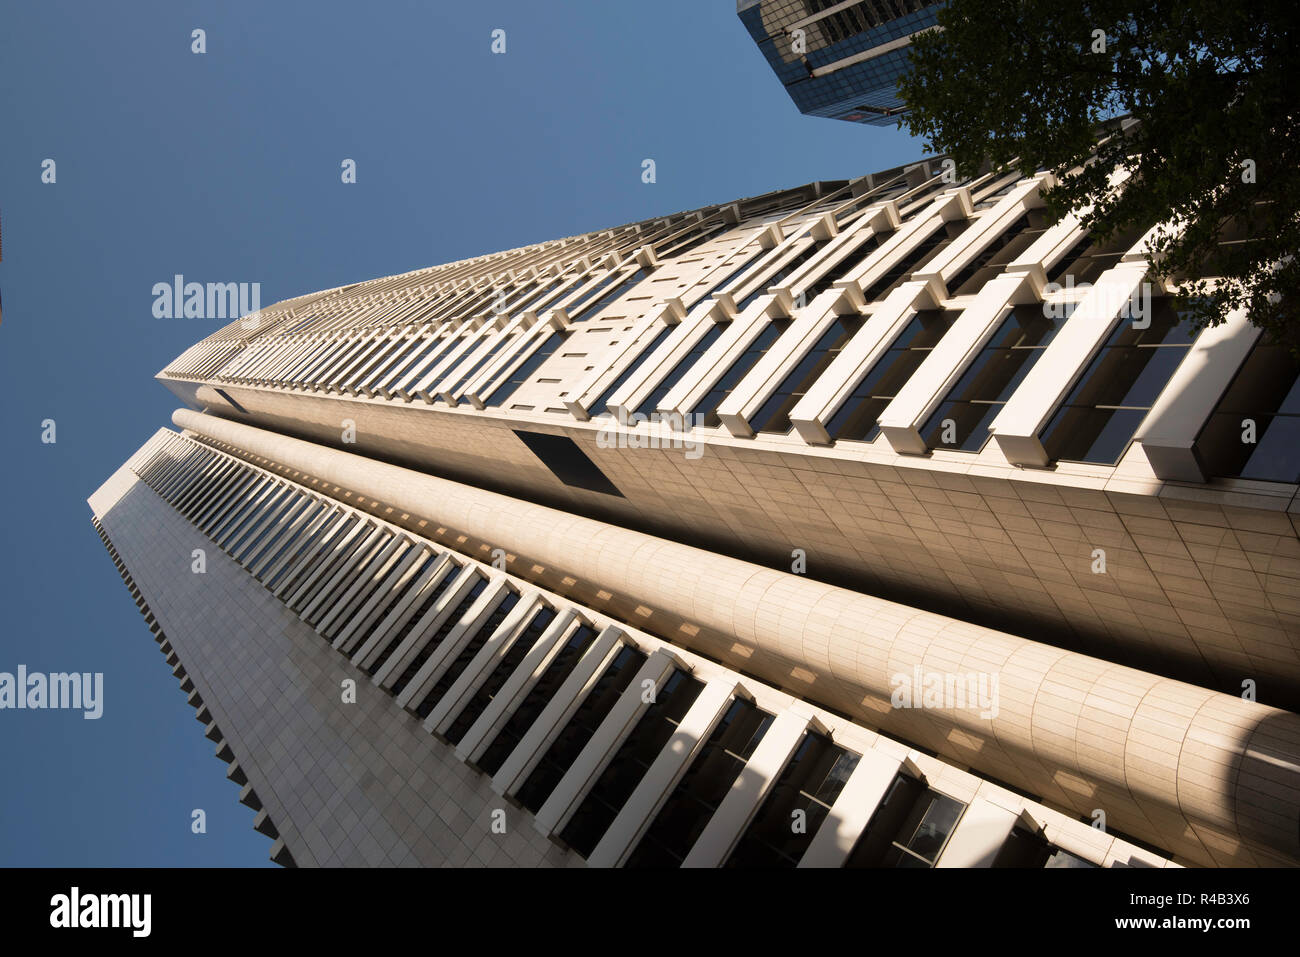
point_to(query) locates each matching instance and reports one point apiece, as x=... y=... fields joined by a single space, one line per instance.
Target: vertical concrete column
x=663 y=774
x=752 y=785
x=726 y=349
x=651 y=372
x=1017 y=426
x=852 y=810
x=478 y=738
x=833 y=388
x=787 y=352
x=953 y=205
x=987 y=227
x=552 y=719
x=1169 y=431
x=476 y=615
x=423 y=630
x=927 y=387
x=426 y=388
x=980 y=833
x=398 y=578
x=403 y=611
x=591 y=761
x=483 y=663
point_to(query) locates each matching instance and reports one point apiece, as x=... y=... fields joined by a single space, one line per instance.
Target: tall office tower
x=839 y=58
x=869 y=522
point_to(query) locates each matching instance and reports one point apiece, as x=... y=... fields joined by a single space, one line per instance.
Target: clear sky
x=225 y=167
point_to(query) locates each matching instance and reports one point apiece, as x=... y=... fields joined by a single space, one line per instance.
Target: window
x=468 y=650
x=609 y=296
x=675 y=375
x=1091 y=256
x=1023 y=848
x=909 y=829
x=928 y=248
x=1103 y=411
x=448 y=623
x=706 y=782
x=800 y=800
x=1065 y=859
x=504 y=669
x=426 y=606
x=836 y=272
x=628 y=766
x=774 y=414
x=578 y=731
x=684 y=244
x=708 y=406
x=600 y=404
x=483 y=361
x=538 y=698
x=526 y=369
x=856 y=418
x=992 y=260
x=962 y=420
x=780 y=275
x=1254 y=432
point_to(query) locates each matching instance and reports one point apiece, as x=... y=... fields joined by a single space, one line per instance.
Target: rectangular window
x=538 y=698
x=1099 y=417
x=962 y=420
x=579 y=729
x=468 y=650
x=926 y=250
x=520 y=647
x=426 y=606
x=631 y=761
x=448 y=623
x=706 y=782
x=857 y=417
x=800 y=800
x=781 y=274
x=1254 y=431
x=774 y=415
x=909 y=829
x=992 y=260
x=708 y=406
x=1088 y=258
x=610 y=296
x=600 y=405
x=675 y=375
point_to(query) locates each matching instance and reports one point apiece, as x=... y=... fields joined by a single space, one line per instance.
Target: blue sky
x=225 y=167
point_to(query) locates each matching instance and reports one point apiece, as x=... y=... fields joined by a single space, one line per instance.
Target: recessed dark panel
x=570 y=464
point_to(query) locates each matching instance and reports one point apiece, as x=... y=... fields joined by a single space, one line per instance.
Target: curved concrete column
x=1212 y=778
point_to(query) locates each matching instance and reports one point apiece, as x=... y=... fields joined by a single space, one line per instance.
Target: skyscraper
x=839 y=58
x=877 y=522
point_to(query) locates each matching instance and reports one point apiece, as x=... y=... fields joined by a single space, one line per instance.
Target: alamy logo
x=58 y=690
x=946 y=690
x=75 y=909
x=195 y=300
x=674 y=435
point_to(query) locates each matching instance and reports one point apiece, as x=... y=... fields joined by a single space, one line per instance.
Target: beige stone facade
x=790 y=462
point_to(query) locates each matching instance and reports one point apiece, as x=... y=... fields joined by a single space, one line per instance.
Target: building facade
x=874 y=523
x=839 y=58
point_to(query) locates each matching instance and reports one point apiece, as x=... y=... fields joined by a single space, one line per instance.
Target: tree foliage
x=1214 y=154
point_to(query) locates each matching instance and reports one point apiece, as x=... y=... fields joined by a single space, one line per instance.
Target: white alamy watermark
x=946 y=690
x=179 y=299
x=75 y=909
x=1135 y=305
x=34 y=690
x=674 y=434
